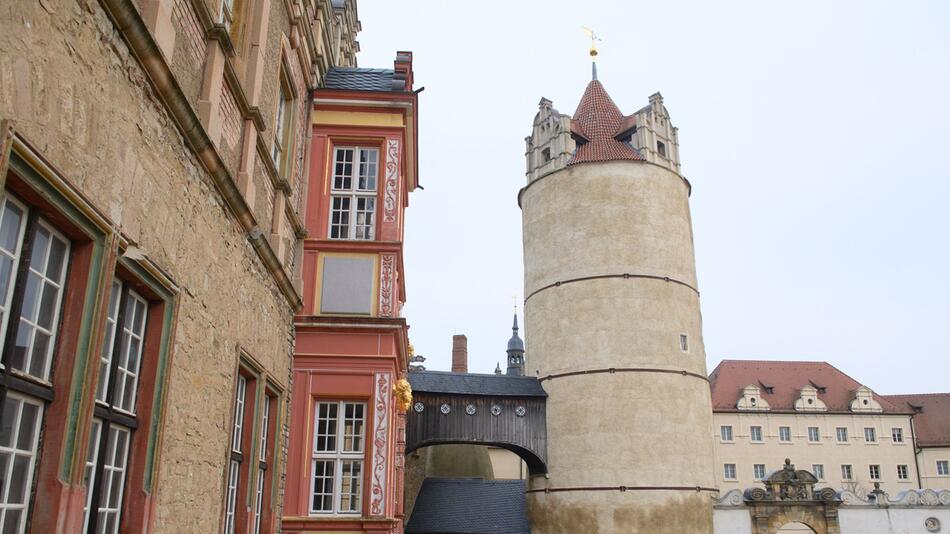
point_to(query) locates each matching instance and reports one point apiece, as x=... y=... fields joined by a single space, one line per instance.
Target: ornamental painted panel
x=377 y=505
x=391 y=184
x=387 y=285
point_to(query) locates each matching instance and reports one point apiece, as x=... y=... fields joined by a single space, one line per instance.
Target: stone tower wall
x=628 y=447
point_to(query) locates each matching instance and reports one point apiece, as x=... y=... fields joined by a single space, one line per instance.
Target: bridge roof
x=475 y=384
x=466 y=505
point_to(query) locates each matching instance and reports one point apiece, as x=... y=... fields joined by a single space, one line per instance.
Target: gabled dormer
x=654 y=136
x=809 y=401
x=752 y=400
x=864 y=401
x=550 y=144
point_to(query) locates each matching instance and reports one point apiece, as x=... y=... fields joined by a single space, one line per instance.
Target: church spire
x=515 y=351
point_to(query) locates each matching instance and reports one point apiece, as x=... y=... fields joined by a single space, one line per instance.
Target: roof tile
x=598 y=120
x=787 y=378
x=932 y=423
x=475 y=384
x=469 y=506
x=360 y=79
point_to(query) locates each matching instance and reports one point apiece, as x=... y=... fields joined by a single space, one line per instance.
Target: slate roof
x=787 y=378
x=475 y=384
x=360 y=79
x=469 y=506
x=599 y=120
x=932 y=422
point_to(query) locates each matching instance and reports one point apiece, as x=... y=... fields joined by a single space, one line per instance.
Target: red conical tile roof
x=598 y=120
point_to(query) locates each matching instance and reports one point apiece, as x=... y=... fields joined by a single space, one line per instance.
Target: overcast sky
x=814 y=133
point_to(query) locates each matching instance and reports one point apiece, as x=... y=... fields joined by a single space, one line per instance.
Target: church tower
x=613 y=320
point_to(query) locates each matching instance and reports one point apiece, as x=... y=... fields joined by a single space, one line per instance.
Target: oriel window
x=115 y=420
x=353 y=193
x=34 y=258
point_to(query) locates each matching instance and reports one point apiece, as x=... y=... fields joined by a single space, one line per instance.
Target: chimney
x=459 y=354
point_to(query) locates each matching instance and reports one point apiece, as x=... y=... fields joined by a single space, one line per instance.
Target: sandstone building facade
x=154 y=157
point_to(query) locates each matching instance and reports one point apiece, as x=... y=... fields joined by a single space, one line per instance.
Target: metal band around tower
x=612 y=370
x=623 y=489
x=624 y=276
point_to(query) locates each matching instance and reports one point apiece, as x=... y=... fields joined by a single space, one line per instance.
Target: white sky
x=813 y=132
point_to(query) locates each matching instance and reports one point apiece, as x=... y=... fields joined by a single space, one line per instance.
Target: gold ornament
x=402 y=391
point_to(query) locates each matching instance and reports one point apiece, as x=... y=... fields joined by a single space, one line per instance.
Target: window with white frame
x=234 y=467
x=283 y=125
x=19 y=437
x=874 y=471
x=120 y=365
x=758 y=471
x=902 y=472
x=755 y=433
x=841 y=433
x=353 y=193
x=338 y=452
x=729 y=471
x=263 y=467
x=226 y=17
x=784 y=433
x=814 y=435
x=897 y=435
x=33 y=264
x=725 y=432
x=943 y=467
x=846 y=472
x=870 y=435
x=818 y=470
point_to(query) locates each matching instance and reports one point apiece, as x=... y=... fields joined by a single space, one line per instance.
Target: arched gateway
x=501 y=410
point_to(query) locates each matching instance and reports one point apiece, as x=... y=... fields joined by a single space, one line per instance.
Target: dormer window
x=752 y=399
x=864 y=401
x=546 y=155
x=661 y=148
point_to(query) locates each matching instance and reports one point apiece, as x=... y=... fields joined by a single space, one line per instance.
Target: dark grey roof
x=360 y=79
x=469 y=506
x=476 y=384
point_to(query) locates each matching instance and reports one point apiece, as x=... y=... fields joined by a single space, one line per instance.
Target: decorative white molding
x=809 y=401
x=752 y=400
x=864 y=401
x=907 y=498
x=391 y=184
x=731 y=498
x=377 y=507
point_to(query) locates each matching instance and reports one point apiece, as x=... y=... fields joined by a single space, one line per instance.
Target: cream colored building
x=932 y=432
x=815 y=415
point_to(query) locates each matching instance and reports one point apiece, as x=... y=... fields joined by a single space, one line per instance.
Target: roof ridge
x=947 y=394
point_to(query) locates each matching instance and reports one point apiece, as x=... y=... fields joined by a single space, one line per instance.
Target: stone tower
x=613 y=320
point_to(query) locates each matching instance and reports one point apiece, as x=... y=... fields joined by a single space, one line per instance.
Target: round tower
x=613 y=321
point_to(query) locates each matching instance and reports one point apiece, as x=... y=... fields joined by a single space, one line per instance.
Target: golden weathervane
x=593 y=41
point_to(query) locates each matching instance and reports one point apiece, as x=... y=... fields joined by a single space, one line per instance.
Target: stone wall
x=74 y=89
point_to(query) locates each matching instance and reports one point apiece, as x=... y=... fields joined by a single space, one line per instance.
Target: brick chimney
x=459 y=354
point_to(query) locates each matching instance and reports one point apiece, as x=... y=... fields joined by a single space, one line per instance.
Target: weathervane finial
x=593 y=49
